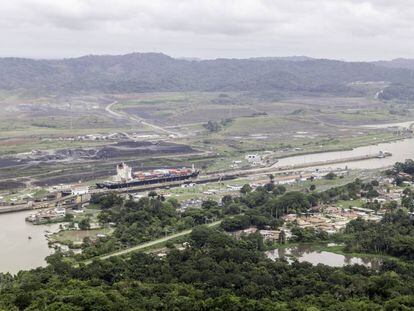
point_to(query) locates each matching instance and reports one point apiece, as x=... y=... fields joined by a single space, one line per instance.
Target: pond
x=308 y=253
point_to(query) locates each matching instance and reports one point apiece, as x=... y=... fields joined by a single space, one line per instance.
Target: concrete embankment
x=229 y=175
x=14 y=208
x=209 y=178
x=328 y=162
x=289 y=168
x=166 y=185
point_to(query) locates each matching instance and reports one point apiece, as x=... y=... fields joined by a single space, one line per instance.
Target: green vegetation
x=393 y=235
x=149 y=218
x=216 y=272
x=214 y=126
x=271 y=78
x=77 y=236
x=213 y=270
x=402 y=172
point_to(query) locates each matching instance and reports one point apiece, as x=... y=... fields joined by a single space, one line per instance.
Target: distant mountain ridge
x=154 y=72
x=407 y=63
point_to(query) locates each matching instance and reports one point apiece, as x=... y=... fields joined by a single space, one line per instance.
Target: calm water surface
x=401 y=150
x=17 y=252
x=307 y=253
x=406 y=124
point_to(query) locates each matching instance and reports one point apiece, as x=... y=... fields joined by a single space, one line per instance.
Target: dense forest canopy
x=155 y=72
x=216 y=272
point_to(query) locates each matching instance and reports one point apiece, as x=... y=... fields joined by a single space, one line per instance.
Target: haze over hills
x=407 y=63
x=153 y=72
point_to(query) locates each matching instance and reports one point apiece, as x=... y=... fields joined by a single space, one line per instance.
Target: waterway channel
x=401 y=150
x=17 y=251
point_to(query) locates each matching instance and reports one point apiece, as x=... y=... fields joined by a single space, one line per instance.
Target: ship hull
x=135 y=183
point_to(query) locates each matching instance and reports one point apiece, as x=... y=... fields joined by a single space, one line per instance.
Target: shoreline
x=335 y=249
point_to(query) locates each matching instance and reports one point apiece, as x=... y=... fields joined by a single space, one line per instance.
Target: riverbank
x=18 y=251
x=309 y=153
x=349 y=148
x=14 y=208
x=339 y=249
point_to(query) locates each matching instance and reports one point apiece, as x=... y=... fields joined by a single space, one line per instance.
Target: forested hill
x=406 y=63
x=148 y=72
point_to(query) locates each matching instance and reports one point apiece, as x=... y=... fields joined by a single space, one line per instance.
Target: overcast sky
x=340 y=29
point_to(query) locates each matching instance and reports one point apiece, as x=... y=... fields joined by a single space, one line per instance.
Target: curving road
x=148 y=244
x=138 y=120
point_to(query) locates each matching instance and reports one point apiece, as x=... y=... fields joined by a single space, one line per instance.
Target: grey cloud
x=350 y=29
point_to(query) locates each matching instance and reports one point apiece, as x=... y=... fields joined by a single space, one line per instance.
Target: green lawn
x=77 y=236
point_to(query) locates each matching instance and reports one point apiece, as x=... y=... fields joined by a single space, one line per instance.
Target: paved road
x=150 y=243
x=138 y=120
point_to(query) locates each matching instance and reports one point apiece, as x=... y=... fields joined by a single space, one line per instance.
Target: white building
x=254 y=159
x=80 y=190
x=60 y=211
x=123 y=172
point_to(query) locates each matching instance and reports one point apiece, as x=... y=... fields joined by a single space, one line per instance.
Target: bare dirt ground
x=258 y=122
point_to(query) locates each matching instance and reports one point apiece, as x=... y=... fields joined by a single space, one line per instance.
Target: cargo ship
x=126 y=178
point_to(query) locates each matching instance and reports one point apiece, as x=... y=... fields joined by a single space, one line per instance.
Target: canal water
x=406 y=124
x=17 y=251
x=401 y=150
x=306 y=253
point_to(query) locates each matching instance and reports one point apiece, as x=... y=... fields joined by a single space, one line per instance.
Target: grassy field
x=350 y=203
x=259 y=123
x=77 y=236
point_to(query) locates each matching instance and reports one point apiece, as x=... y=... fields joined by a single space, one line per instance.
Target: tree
x=107 y=201
x=236 y=223
x=391 y=206
x=292 y=201
x=209 y=205
x=407 y=202
x=226 y=200
x=330 y=176
x=152 y=194
x=372 y=193
x=212 y=126
x=232 y=209
x=246 y=189
x=269 y=186
x=408 y=192
x=84 y=224
x=68 y=217
x=375 y=183
x=279 y=189
x=200 y=235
